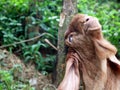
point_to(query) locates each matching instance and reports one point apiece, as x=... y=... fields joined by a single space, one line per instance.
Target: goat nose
x=87 y=19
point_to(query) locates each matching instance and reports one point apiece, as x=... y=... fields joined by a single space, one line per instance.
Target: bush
x=14 y=28
x=7 y=82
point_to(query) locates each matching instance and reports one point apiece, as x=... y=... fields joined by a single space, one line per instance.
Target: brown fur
x=92 y=55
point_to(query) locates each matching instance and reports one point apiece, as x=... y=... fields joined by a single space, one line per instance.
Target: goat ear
x=71 y=79
x=114 y=63
x=107 y=46
x=105 y=50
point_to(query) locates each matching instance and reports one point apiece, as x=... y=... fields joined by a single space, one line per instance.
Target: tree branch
x=47 y=41
x=31 y=39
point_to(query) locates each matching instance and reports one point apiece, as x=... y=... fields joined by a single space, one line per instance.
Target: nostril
x=87 y=19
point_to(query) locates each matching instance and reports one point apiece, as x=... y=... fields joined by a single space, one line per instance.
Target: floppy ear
x=71 y=79
x=105 y=50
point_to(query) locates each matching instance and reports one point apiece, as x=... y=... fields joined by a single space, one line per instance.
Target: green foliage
x=32 y=52
x=14 y=28
x=43 y=64
x=108 y=13
x=7 y=82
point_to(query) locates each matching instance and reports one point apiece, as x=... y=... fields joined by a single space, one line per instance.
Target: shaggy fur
x=90 y=58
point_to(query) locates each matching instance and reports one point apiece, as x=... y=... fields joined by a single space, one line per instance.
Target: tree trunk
x=69 y=9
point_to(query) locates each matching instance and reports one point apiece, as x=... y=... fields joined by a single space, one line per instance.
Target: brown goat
x=90 y=58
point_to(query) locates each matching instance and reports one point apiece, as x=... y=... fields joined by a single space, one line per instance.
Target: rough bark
x=69 y=9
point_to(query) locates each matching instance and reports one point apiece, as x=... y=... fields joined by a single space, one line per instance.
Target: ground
x=24 y=73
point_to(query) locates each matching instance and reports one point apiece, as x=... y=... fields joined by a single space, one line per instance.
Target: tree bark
x=68 y=10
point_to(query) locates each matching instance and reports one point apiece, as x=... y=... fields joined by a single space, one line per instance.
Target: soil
x=25 y=73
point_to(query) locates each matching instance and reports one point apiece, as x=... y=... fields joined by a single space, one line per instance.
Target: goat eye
x=87 y=19
x=70 y=39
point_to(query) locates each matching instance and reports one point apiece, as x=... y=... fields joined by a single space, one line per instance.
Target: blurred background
x=23 y=20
